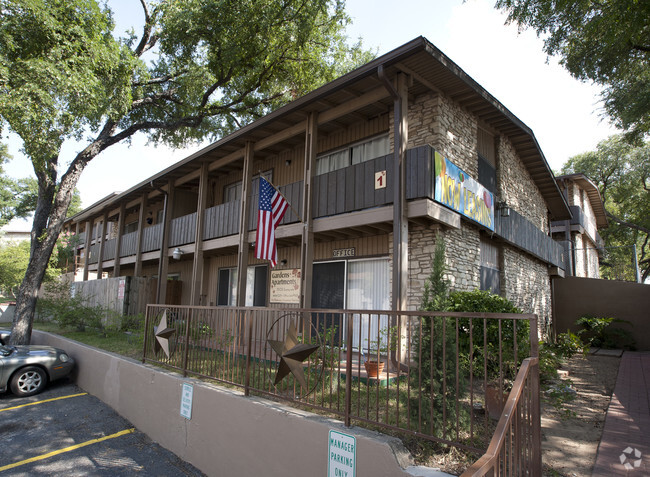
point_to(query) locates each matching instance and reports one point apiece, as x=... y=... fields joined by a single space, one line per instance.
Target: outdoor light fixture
x=287 y=162
x=283 y=261
x=177 y=253
x=505 y=210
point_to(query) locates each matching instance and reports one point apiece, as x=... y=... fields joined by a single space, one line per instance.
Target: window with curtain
x=353 y=154
x=256 y=286
x=368 y=288
x=233 y=191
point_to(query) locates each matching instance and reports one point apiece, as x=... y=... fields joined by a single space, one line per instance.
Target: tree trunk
x=48 y=222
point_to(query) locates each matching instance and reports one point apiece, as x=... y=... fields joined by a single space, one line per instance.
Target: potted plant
x=386 y=341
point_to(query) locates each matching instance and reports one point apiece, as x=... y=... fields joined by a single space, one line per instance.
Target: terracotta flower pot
x=374 y=368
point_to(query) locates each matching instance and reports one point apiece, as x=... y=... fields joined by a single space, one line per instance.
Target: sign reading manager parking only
x=341 y=455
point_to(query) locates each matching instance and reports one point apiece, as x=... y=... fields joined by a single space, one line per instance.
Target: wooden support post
x=197 y=266
x=400 y=220
x=102 y=239
x=244 y=215
x=89 y=224
x=118 y=240
x=138 y=239
x=307 y=246
x=163 y=264
x=77 y=231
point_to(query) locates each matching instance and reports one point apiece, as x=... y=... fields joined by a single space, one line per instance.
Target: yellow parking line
x=67 y=449
x=41 y=402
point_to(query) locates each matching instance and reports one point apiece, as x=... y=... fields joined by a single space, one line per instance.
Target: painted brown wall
x=229 y=434
x=574 y=297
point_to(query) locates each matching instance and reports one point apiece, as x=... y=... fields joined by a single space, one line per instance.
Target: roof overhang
x=593 y=194
x=430 y=70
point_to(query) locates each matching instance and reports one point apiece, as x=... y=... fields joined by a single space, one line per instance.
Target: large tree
x=606 y=41
x=622 y=173
x=17 y=196
x=197 y=69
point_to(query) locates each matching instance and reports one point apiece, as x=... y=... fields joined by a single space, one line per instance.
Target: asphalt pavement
x=65 y=431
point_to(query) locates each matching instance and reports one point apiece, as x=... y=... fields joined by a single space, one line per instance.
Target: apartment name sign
x=285 y=286
x=458 y=191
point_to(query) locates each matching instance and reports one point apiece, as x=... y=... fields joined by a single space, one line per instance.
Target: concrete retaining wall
x=229 y=434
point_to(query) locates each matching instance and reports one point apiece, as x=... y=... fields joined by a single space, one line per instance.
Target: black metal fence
x=441 y=376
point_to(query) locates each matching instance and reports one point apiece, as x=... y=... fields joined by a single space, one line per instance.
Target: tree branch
x=631 y=225
x=148 y=40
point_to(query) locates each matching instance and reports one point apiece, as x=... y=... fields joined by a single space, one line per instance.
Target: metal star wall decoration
x=292 y=354
x=163 y=333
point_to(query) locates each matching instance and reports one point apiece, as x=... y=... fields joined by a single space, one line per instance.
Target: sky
x=564 y=114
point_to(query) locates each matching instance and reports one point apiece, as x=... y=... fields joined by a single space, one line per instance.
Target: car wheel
x=28 y=381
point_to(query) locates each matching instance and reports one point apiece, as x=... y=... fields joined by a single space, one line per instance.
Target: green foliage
x=606 y=42
x=132 y=323
x=70 y=312
x=567 y=344
x=199 y=69
x=492 y=338
x=434 y=342
x=17 y=196
x=597 y=332
x=622 y=174
x=553 y=354
x=387 y=340
x=13 y=263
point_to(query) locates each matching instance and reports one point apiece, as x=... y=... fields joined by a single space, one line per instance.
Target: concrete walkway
x=625 y=445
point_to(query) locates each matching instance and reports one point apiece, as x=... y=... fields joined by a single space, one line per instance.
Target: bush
x=599 y=332
x=497 y=342
x=435 y=343
x=69 y=312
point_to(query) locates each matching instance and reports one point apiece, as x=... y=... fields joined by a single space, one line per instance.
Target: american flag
x=271 y=210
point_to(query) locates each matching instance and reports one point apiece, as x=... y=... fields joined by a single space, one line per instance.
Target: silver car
x=4 y=337
x=26 y=370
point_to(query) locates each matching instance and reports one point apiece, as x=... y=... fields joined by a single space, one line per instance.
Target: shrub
x=434 y=342
x=499 y=334
x=598 y=332
x=69 y=312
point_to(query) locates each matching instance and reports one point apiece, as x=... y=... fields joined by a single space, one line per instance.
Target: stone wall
x=527 y=285
x=462 y=258
x=516 y=187
x=434 y=119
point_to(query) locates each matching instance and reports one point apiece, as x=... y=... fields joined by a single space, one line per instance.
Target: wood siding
x=182 y=230
x=345 y=190
x=522 y=233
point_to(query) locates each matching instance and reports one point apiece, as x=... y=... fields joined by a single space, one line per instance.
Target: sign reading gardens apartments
x=455 y=189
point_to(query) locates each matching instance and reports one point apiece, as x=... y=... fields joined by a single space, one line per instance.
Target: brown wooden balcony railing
x=446 y=376
x=342 y=191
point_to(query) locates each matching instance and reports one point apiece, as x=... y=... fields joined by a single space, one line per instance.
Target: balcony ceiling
x=429 y=69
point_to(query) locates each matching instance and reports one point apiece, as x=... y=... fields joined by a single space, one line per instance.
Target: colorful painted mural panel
x=456 y=190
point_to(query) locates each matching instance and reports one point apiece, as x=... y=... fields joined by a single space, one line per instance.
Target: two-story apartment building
x=583 y=244
x=377 y=165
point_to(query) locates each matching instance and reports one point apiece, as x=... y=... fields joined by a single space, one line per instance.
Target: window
x=487 y=174
x=354 y=154
x=490 y=268
x=356 y=284
x=256 y=286
x=131 y=227
x=233 y=192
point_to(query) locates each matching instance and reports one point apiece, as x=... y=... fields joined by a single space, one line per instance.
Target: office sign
x=456 y=190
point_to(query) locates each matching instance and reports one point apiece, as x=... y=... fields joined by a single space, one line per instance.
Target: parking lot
x=64 y=430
